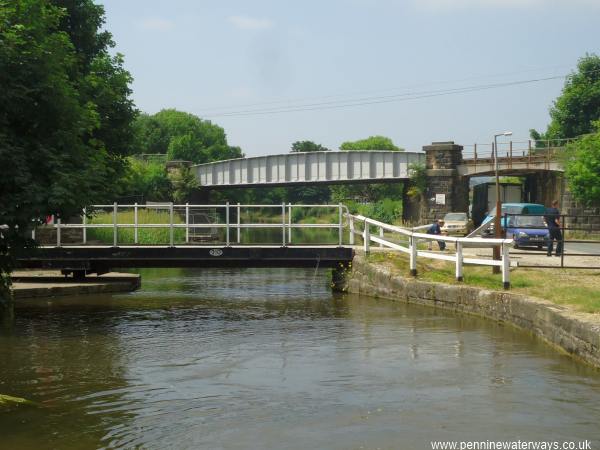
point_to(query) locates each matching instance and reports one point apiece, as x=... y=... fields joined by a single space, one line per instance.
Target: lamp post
x=497 y=221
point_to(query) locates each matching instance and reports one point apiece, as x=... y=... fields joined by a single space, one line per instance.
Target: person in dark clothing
x=552 y=218
x=435 y=228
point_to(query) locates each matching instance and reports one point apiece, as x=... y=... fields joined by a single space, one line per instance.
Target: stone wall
x=442 y=159
x=576 y=333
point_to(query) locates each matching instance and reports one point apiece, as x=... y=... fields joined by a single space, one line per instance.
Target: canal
x=272 y=359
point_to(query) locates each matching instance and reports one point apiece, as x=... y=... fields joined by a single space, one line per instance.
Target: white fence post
x=381 y=236
x=171 y=220
x=84 y=222
x=413 y=255
x=341 y=228
x=283 y=223
x=289 y=223
x=58 y=222
x=115 y=209
x=367 y=237
x=459 y=261
x=227 y=224
x=351 y=226
x=239 y=236
x=187 y=223
x=505 y=266
x=135 y=223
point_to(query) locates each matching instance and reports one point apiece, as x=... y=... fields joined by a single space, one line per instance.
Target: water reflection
x=250 y=359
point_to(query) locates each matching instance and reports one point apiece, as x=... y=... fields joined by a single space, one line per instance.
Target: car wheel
x=516 y=245
x=540 y=246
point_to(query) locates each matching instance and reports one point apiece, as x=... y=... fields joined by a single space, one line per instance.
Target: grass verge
x=577 y=289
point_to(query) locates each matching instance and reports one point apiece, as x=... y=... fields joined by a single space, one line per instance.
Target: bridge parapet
x=311 y=167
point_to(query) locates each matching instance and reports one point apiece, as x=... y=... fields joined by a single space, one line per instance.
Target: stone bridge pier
x=446 y=190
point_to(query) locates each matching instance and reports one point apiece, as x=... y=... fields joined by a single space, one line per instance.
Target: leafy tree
x=368 y=192
x=582 y=167
x=147 y=179
x=578 y=105
x=182 y=136
x=64 y=115
x=371 y=143
x=307 y=146
x=184 y=182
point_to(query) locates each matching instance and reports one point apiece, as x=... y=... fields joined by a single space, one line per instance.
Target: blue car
x=527 y=231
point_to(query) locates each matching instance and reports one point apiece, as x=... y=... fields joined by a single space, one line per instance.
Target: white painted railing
x=185 y=211
x=411 y=247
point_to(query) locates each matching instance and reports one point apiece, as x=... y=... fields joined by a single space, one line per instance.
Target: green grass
x=577 y=289
x=145 y=235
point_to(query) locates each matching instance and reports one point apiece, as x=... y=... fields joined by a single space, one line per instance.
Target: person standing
x=436 y=228
x=552 y=219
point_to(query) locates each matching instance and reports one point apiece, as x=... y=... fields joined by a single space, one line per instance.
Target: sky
x=272 y=72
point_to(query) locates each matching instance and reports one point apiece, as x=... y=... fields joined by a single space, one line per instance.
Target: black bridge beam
x=104 y=259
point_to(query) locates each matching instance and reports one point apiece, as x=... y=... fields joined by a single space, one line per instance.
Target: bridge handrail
x=412 y=247
x=286 y=224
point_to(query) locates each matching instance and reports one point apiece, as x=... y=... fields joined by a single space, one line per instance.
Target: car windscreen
x=528 y=221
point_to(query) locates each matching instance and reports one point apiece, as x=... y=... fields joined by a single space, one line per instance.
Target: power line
x=337 y=104
x=206 y=111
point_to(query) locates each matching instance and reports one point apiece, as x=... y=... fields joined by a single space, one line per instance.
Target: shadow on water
x=271 y=358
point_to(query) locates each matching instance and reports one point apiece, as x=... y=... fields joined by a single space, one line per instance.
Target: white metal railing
x=286 y=224
x=413 y=237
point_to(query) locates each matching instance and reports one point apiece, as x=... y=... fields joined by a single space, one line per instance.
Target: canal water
x=271 y=359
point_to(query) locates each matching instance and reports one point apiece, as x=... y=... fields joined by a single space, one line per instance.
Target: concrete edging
x=576 y=333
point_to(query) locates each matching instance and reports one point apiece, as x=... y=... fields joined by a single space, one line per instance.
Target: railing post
x=84 y=222
x=171 y=220
x=135 y=223
x=413 y=255
x=227 y=224
x=505 y=267
x=115 y=220
x=459 y=261
x=289 y=223
x=283 y=224
x=341 y=226
x=351 y=226
x=475 y=153
x=58 y=222
x=367 y=238
x=187 y=223
x=239 y=236
x=381 y=236
x=510 y=152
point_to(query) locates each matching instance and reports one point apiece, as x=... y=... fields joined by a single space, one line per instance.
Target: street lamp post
x=497 y=221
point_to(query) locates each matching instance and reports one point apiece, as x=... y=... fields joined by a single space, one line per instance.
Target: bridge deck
x=100 y=259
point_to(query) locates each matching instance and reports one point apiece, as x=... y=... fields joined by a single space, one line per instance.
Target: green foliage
x=65 y=114
x=371 y=143
x=386 y=210
x=582 y=167
x=183 y=136
x=307 y=146
x=418 y=180
x=148 y=180
x=578 y=105
x=184 y=182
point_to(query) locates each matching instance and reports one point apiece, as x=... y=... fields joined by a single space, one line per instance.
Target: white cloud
x=249 y=23
x=446 y=5
x=155 y=24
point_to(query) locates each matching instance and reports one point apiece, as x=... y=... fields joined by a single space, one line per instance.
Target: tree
x=182 y=136
x=573 y=112
x=65 y=112
x=371 y=143
x=582 y=167
x=368 y=192
x=307 y=146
